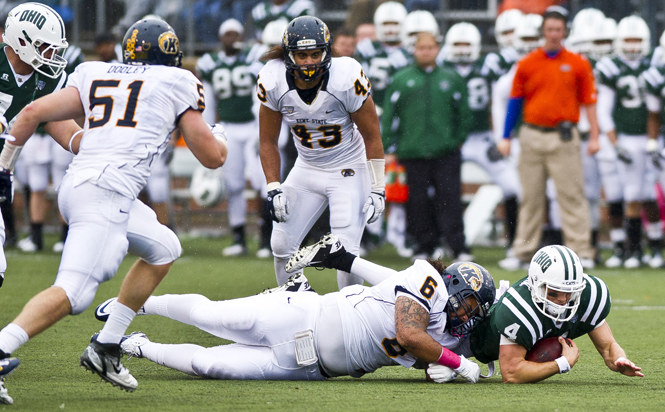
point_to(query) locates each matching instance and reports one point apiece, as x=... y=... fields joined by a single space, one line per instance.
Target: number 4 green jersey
x=517 y=318
x=232 y=82
x=630 y=110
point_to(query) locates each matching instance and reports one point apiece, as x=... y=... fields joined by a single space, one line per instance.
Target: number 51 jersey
x=323 y=131
x=130 y=112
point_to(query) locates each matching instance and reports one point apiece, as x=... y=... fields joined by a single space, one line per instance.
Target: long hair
x=437 y=264
x=277 y=52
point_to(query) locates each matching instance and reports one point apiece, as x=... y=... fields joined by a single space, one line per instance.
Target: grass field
x=50 y=377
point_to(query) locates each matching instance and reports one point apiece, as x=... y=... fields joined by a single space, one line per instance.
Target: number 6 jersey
x=323 y=130
x=130 y=112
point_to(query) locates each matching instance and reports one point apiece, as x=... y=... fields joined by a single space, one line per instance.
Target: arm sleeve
x=653 y=103
x=500 y=98
x=604 y=108
x=587 y=88
x=513 y=114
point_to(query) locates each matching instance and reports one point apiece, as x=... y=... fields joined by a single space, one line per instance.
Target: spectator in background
x=344 y=42
x=551 y=83
x=365 y=31
x=107 y=48
x=528 y=6
x=425 y=121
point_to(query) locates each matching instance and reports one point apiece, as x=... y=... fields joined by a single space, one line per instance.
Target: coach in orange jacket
x=550 y=85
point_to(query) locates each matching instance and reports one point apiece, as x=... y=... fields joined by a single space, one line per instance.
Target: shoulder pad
x=269 y=74
x=344 y=71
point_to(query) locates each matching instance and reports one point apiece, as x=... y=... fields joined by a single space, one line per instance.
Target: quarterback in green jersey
x=556 y=299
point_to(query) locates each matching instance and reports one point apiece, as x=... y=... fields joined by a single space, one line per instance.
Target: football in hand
x=545 y=350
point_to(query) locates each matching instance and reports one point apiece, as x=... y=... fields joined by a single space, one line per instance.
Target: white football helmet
x=603 y=39
x=273 y=33
x=388 y=20
x=587 y=17
x=527 y=34
x=629 y=28
x=36 y=33
x=505 y=25
x=662 y=45
x=418 y=21
x=463 y=43
x=207 y=186
x=559 y=269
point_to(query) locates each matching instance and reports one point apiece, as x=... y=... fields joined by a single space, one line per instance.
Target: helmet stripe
x=565 y=261
x=572 y=263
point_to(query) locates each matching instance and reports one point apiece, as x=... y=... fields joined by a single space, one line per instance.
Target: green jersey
x=478 y=77
x=517 y=318
x=502 y=61
x=380 y=63
x=232 y=83
x=630 y=110
x=266 y=11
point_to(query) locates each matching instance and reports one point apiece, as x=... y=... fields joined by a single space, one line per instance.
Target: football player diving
x=556 y=299
x=413 y=317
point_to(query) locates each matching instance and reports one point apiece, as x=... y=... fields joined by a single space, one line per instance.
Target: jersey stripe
x=603 y=299
x=419 y=299
x=592 y=299
x=521 y=317
x=528 y=309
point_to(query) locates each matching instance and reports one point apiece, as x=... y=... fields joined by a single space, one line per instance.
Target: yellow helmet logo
x=168 y=43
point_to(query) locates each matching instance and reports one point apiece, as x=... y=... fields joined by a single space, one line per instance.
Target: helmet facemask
x=308 y=72
x=464 y=304
x=558 y=313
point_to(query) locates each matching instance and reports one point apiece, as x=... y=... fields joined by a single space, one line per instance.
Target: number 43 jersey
x=130 y=112
x=516 y=317
x=368 y=317
x=324 y=132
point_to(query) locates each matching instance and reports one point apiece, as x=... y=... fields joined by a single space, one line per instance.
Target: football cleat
x=59 y=247
x=295 y=283
x=7 y=366
x=264 y=253
x=104 y=360
x=320 y=254
x=131 y=344
x=656 y=260
x=512 y=264
x=27 y=245
x=634 y=261
x=103 y=311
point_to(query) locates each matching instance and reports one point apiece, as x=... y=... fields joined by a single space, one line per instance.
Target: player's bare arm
x=368 y=126
x=612 y=353
x=516 y=369
x=66 y=133
x=411 y=322
x=270 y=123
x=64 y=104
x=200 y=140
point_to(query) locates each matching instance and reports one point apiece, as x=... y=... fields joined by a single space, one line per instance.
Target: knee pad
x=279 y=242
x=80 y=289
x=161 y=249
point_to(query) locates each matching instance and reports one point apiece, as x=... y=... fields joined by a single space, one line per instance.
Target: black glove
x=493 y=154
x=6 y=186
x=623 y=154
x=278 y=205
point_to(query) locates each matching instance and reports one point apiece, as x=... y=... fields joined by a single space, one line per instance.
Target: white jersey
x=323 y=131
x=368 y=317
x=130 y=112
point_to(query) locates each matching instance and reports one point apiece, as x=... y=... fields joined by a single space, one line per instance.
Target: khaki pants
x=544 y=155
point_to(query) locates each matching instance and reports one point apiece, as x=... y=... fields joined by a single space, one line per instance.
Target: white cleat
x=131 y=344
x=59 y=247
x=614 y=261
x=104 y=360
x=235 y=250
x=7 y=366
x=103 y=311
x=512 y=264
x=633 y=262
x=264 y=253
x=319 y=254
x=27 y=245
x=295 y=283
x=656 y=260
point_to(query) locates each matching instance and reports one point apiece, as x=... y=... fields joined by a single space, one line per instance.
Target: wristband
x=9 y=156
x=71 y=140
x=564 y=366
x=449 y=358
x=273 y=186
x=377 y=173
